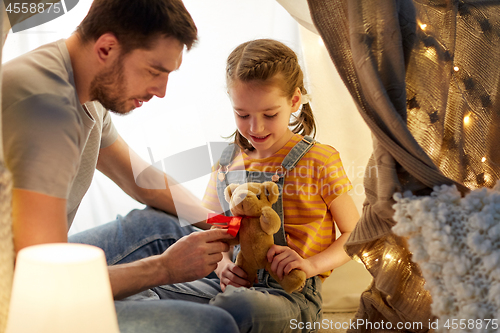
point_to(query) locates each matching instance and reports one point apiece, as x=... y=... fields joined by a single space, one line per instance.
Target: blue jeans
x=140 y=234
x=265 y=307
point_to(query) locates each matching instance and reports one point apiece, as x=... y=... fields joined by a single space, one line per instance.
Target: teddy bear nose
x=239 y=197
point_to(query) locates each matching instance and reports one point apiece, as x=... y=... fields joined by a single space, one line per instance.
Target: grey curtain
x=425 y=76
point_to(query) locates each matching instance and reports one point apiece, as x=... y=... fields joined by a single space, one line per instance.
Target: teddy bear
x=253 y=202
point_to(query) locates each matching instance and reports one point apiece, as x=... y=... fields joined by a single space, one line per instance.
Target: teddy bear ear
x=272 y=191
x=228 y=192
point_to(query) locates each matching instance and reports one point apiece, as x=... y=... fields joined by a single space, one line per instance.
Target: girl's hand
x=283 y=259
x=230 y=274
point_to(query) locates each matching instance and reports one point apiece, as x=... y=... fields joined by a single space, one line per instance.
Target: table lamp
x=61 y=288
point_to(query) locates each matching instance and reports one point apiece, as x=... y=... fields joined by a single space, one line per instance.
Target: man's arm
x=190 y=258
x=40 y=218
x=37 y=218
x=116 y=163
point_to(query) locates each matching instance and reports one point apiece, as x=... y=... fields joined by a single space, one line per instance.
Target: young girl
x=265 y=85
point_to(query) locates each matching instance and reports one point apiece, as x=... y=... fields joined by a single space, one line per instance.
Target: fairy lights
x=467 y=119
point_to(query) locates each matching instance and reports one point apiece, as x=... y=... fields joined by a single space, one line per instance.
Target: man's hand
x=191 y=257
x=230 y=274
x=194 y=256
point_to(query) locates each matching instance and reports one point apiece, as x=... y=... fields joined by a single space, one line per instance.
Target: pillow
x=456 y=242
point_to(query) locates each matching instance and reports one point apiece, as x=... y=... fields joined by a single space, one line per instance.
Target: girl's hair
x=270 y=62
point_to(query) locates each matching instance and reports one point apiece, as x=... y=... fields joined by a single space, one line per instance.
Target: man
x=57 y=131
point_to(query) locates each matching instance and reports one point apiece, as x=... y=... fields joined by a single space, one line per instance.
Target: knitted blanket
x=456 y=242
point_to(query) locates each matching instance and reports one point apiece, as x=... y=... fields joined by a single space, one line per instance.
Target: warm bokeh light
x=467 y=120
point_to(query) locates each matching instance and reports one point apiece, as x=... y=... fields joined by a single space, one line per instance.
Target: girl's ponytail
x=304 y=123
x=241 y=141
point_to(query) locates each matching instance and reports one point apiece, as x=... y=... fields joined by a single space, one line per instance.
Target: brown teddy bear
x=260 y=222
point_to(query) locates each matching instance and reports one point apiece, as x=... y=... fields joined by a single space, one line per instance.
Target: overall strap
x=228 y=154
x=289 y=162
x=227 y=157
x=297 y=152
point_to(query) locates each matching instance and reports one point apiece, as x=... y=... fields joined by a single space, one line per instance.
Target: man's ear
x=272 y=191
x=228 y=192
x=107 y=48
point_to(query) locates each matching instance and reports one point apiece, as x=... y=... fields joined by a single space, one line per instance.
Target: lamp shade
x=61 y=288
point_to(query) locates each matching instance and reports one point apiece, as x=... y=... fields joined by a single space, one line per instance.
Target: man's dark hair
x=138 y=23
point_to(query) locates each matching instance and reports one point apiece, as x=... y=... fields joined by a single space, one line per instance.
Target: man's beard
x=108 y=87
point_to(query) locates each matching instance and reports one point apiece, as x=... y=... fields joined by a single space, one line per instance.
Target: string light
x=488 y=178
x=483 y=159
x=456 y=68
x=467 y=119
x=423 y=26
x=431 y=53
x=359 y=259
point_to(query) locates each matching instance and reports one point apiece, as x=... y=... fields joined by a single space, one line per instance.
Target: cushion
x=456 y=242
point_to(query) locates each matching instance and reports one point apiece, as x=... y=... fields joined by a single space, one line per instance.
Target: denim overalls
x=265 y=307
x=224 y=178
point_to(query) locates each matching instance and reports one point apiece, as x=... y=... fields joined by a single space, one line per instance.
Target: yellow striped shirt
x=308 y=190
